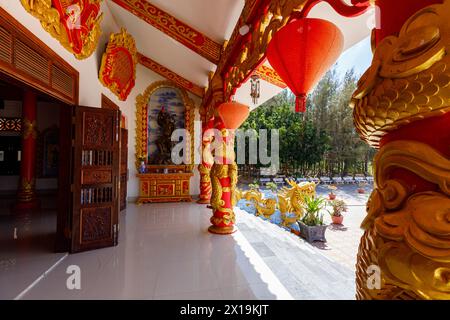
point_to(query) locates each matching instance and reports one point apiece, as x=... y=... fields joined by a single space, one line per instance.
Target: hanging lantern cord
x=300 y=103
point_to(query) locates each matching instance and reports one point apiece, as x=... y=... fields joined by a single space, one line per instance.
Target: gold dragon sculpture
x=264 y=207
x=296 y=194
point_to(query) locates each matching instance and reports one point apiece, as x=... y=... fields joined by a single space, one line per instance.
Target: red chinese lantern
x=233 y=114
x=302 y=52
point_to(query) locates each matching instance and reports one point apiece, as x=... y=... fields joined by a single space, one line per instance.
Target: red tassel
x=300 y=103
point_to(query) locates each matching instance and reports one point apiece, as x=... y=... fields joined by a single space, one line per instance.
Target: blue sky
x=358 y=57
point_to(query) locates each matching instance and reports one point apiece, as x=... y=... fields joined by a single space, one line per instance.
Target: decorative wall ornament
x=409 y=79
x=271 y=76
x=118 y=68
x=29 y=129
x=170 y=75
x=10 y=124
x=142 y=116
x=174 y=28
x=74 y=23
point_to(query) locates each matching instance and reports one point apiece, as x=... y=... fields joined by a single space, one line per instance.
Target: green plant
x=254 y=185
x=272 y=186
x=338 y=207
x=313 y=206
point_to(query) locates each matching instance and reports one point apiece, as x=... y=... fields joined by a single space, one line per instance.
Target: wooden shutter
x=96 y=179
x=26 y=58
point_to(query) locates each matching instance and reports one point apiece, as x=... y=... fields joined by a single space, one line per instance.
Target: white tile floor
x=165 y=252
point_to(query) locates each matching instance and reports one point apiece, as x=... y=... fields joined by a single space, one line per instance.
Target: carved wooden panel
x=96 y=176
x=96 y=224
x=164 y=187
x=99 y=130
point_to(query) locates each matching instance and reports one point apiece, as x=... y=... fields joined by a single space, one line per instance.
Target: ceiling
x=216 y=19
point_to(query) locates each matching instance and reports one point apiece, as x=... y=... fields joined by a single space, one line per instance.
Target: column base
x=203 y=201
x=32 y=205
x=222 y=231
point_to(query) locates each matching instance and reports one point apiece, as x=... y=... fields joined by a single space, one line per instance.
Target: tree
x=322 y=141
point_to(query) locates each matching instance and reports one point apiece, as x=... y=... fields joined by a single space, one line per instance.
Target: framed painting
x=160 y=110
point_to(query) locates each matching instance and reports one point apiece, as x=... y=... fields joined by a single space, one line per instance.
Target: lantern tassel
x=300 y=103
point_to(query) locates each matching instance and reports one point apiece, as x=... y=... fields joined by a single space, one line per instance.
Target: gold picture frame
x=142 y=120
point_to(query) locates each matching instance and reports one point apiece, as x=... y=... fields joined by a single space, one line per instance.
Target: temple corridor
x=165 y=252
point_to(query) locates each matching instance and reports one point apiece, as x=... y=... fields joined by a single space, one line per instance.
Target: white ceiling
x=214 y=18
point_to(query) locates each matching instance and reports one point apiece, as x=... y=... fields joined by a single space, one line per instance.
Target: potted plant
x=311 y=225
x=332 y=195
x=338 y=207
x=361 y=186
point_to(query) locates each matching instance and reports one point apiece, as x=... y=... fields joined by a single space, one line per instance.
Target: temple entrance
x=30 y=184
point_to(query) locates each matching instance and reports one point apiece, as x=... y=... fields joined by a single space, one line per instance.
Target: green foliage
x=322 y=141
x=272 y=186
x=253 y=186
x=313 y=206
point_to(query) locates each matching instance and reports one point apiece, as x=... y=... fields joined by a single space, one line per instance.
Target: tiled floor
x=165 y=252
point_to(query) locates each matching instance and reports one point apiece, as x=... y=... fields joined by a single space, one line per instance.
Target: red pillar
x=392 y=14
x=26 y=196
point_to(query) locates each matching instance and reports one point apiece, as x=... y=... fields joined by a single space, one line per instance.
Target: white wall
x=90 y=87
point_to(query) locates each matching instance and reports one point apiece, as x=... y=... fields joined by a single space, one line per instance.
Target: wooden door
x=95 y=179
x=123 y=168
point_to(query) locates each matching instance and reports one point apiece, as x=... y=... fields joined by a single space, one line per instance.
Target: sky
x=358 y=57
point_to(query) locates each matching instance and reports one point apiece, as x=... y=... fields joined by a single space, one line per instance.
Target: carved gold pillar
x=224 y=180
x=402 y=106
x=26 y=196
x=223 y=172
x=204 y=168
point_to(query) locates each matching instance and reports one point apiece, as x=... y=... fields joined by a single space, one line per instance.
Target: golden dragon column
x=204 y=168
x=401 y=106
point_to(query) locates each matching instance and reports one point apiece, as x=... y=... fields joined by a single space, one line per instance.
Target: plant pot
x=337 y=219
x=331 y=196
x=314 y=233
x=361 y=190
